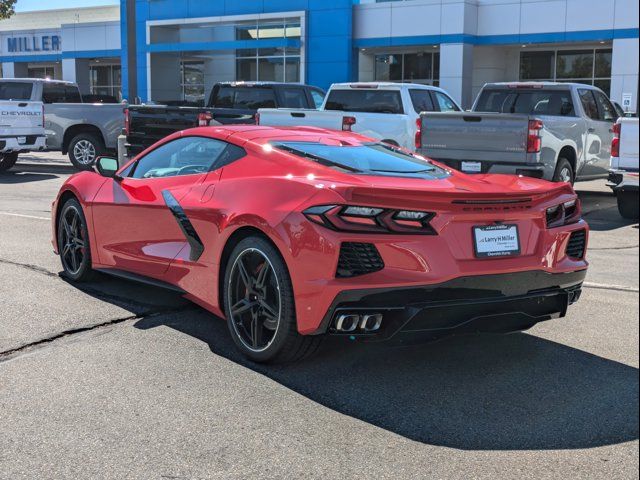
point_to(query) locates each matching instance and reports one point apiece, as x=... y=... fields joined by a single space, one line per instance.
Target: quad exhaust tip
x=352 y=322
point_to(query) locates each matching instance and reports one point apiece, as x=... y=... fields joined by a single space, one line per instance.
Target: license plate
x=22 y=139
x=471 y=167
x=496 y=241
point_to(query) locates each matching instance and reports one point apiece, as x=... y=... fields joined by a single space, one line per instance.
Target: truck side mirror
x=107 y=166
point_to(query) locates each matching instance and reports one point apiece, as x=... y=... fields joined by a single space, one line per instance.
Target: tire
x=266 y=307
x=7 y=160
x=564 y=172
x=84 y=149
x=73 y=242
x=628 y=205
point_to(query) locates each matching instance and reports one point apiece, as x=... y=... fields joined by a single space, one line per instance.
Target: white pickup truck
x=389 y=112
x=623 y=176
x=21 y=123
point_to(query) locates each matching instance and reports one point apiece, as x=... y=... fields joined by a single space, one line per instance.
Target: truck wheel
x=84 y=149
x=628 y=205
x=564 y=172
x=7 y=160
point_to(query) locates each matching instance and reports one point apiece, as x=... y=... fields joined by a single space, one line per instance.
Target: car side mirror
x=107 y=166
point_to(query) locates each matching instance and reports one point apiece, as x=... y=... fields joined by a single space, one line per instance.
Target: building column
x=8 y=70
x=456 y=66
x=69 y=69
x=624 y=72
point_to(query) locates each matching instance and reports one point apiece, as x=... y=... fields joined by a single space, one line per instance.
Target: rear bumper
x=31 y=143
x=623 y=180
x=483 y=303
x=534 y=170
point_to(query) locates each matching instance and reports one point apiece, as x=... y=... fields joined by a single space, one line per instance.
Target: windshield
x=368 y=158
x=15 y=91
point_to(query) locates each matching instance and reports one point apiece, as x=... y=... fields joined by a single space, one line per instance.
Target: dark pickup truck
x=229 y=103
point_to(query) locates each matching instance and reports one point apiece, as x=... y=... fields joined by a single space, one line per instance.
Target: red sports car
x=294 y=234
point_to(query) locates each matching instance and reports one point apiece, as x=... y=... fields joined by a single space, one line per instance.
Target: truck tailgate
x=480 y=137
x=287 y=117
x=19 y=118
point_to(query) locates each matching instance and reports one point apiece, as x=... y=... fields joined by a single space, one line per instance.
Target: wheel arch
x=569 y=152
x=77 y=129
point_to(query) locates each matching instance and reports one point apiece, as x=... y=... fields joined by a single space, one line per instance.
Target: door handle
x=591 y=130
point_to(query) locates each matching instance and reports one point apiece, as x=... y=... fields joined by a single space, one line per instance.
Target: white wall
x=91 y=36
x=624 y=70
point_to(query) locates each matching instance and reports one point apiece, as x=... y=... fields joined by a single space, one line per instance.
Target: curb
x=44 y=167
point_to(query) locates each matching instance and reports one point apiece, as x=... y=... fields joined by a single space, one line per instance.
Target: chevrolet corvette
x=292 y=234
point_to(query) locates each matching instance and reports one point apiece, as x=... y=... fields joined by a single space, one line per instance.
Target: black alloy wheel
x=73 y=242
x=254 y=299
x=259 y=304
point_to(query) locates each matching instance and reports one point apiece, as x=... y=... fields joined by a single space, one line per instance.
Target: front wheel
x=7 y=160
x=84 y=149
x=73 y=242
x=259 y=304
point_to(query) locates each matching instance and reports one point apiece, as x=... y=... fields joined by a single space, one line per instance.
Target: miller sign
x=44 y=43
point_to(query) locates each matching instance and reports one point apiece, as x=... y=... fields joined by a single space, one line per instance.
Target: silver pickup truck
x=84 y=131
x=556 y=131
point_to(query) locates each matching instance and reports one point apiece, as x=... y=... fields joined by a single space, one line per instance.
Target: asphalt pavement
x=117 y=380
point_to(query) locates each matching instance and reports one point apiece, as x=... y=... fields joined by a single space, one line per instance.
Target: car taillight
x=256 y=118
x=534 y=142
x=347 y=123
x=127 y=122
x=564 y=214
x=352 y=218
x=204 y=118
x=615 y=142
x=418 y=138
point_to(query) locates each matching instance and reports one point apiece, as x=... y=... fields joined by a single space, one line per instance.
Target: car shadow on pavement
x=511 y=392
x=600 y=210
x=13 y=177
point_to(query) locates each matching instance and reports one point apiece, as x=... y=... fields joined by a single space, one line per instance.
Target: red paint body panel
x=133 y=229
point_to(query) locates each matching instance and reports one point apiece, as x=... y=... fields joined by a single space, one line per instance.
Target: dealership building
x=175 y=50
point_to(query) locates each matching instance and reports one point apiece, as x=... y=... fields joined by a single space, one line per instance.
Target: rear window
x=246 y=98
x=368 y=158
x=528 y=102
x=293 y=98
x=15 y=91
x=360 y=100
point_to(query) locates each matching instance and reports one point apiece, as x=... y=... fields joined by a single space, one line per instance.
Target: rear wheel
x=84 y=149
x=564 y=172
x=7 y=160
x=628 y=205
x=259 y=304
x=73 y=242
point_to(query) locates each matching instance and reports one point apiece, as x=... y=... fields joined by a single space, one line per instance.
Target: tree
x=6 y=8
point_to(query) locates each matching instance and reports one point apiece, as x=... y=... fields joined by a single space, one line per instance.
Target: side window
x=183 y=156
x=445 y=103
x=318 y=97
x=52 y=93
x=606 y=111
x=293 y=98
x=421 y=100
x=72 y=94
x=588 y=103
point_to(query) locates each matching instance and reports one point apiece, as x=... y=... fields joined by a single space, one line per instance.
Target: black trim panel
x=461 y=300
x=139 y=278
x=197 y=247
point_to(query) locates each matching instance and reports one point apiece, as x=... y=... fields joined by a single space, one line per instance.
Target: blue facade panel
x=328 y=53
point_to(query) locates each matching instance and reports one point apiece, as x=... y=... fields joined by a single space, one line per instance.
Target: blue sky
x=30 y=5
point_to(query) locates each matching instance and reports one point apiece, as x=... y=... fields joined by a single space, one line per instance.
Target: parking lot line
x=606 y=286
x=9 y=214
